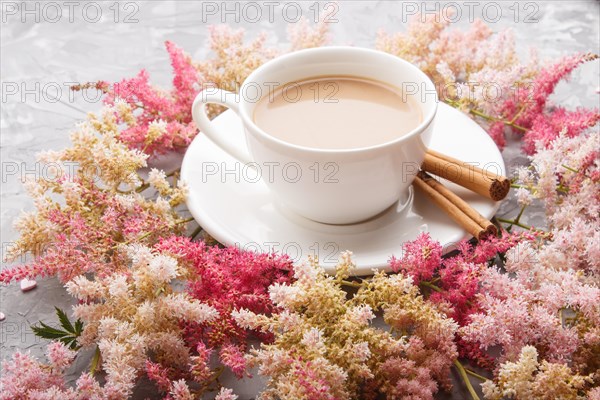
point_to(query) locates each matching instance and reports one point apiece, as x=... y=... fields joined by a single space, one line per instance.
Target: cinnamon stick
x=455 y=207
x=483 y=182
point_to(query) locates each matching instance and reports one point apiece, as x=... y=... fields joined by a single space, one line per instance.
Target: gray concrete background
x=42 y=50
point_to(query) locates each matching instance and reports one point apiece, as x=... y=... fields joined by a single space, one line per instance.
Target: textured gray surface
x=38 y=57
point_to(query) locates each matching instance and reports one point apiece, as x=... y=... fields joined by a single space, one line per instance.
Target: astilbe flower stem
x=463 y=374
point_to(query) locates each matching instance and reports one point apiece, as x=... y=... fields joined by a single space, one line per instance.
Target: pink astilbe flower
x=536 y=96
x=411 y=380
x=140 y=105
x=526 y=310
x=479 y=73
x=227 y=279
x=181 y=391
x=233 y=358
x=545 y=128
x=25 y=378
x=565 y=177
x=420 y=258
x=528 y=108
x=200 y=368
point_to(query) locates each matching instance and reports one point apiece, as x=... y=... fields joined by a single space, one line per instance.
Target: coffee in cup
x=337 y=112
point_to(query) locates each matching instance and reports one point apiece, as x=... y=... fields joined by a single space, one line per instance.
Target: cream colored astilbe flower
x=88 y=200
x=234 y=59
x=135 y=314
x=326 y=348
x=529 y=379
x=304 y=35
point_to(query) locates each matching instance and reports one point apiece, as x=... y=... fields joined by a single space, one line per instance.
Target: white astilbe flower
x=226 y=394
x=246 y=319
x=118 y=286
x=156 y=129
x=283 y=295
x=360 y=315
x=307 y=272
x=163 y=268
x=158 y=179
x=313 y=340
x=183 y=307
x=524 y=196
x=402 y=283
x=84 y=289
x=139 y=255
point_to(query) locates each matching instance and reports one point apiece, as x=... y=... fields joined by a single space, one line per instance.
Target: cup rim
x=427 y=119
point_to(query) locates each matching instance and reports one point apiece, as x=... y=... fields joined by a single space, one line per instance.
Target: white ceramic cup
x=330 y=186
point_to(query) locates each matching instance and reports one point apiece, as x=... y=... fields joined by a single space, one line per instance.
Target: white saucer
x=236 y=211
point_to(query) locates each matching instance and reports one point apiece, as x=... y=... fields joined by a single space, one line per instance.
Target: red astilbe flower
x=227 y=279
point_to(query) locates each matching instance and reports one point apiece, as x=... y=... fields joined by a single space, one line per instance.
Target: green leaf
x=68 y=336
x=48 y=332
x=78 y=327
x=71 y=342
x=64 y=320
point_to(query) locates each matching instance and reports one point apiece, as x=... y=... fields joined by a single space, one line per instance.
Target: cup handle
x=207 y=127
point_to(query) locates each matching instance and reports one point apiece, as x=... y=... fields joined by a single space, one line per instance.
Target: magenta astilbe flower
x=227 y=279
x=140 y=105
x=459 y=282
x=420 y=258
x=159 y=375
x=486 y=249
x=233 y=358
x=185 y=81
